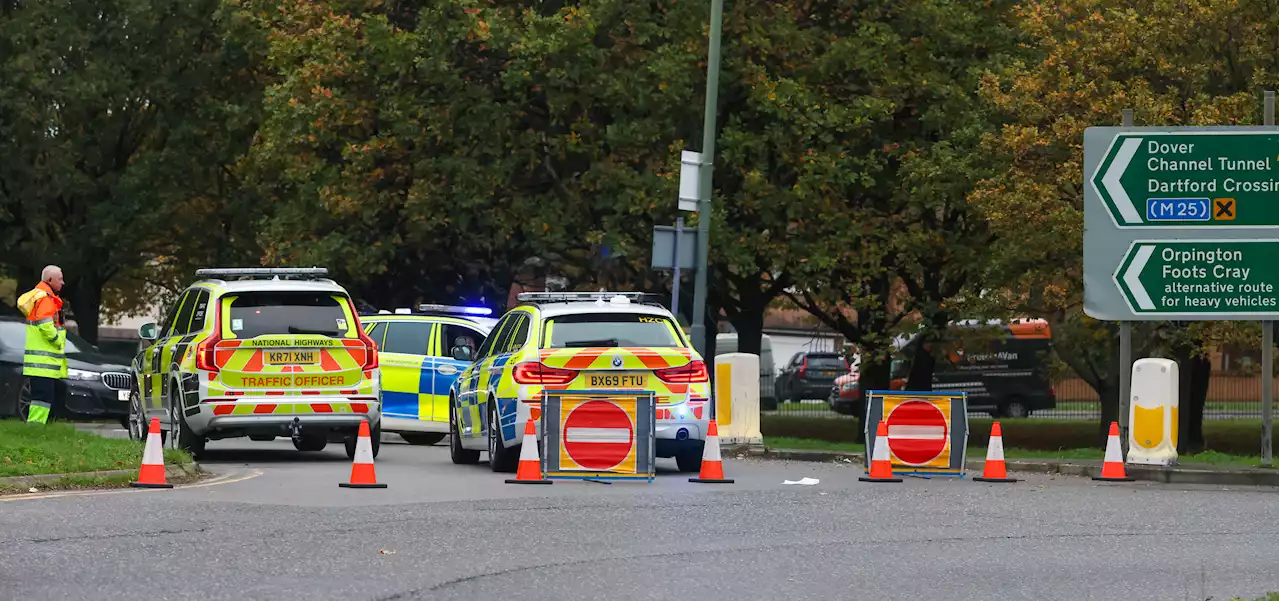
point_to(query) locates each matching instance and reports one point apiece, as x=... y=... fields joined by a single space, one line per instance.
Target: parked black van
x=1004 y=367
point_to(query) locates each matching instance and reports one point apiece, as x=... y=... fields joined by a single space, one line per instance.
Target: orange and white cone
x=362 y=472
x=712 y=471
x=881 y=467
x=994 y=469
x=1113 y=461
x=151 y=474
x=530 y=469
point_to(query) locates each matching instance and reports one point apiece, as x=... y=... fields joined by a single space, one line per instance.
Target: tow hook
x=295 y=430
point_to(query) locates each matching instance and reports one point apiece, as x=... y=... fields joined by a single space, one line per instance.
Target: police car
x=421 y=355
x=257 y=352
x=579 y=341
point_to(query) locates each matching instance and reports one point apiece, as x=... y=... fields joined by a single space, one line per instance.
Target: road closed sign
x=927 y=431
x=589 y=435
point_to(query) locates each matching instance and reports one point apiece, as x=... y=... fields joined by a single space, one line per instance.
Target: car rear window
x=827 y=362
x=255 y=314
x=610 y=329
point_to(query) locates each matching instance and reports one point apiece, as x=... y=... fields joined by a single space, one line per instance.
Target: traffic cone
x=712 y=471
x=530 y=469
x=881 y=468
x=362 y=472
x=1113 y=461
x=151 y=474
x=993 y=470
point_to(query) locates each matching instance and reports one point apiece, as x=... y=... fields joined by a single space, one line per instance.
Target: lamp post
x=708 y=153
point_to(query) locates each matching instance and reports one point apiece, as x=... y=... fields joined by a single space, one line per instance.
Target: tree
x=1174 y=63
x=113 y=118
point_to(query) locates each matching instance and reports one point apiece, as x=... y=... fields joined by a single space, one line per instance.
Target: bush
x=1234 y=437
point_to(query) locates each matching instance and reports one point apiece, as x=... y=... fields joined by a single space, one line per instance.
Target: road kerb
x=1147 y=473
x=172 y=471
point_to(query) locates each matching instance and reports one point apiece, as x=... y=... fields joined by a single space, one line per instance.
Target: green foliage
x=116 y=120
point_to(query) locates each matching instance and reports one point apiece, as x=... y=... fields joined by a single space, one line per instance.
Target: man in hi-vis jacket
x=43 y=359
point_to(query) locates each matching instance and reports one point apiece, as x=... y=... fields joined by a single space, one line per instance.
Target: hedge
x=1235 y=437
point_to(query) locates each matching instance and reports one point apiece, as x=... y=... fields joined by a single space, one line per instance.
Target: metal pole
x=1268 y=331
x=675 y=279
x=1126 y=349
x=699 y=329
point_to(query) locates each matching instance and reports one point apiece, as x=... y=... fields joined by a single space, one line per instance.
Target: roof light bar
x=455 y=309
x=262 y=271
x=568 y=297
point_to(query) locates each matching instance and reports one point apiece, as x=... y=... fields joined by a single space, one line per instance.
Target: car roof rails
x=264 y=273
x=601 y=297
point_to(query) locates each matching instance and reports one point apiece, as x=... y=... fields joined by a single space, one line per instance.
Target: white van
x=728 y=343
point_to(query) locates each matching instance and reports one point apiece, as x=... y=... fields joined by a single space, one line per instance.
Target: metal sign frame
x=958 y=434
x=644 y=419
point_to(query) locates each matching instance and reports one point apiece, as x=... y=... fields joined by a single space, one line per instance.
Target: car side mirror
x=462 y=353
x=147 y=331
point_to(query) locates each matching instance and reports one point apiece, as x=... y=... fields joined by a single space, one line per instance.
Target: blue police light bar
x=455 y=310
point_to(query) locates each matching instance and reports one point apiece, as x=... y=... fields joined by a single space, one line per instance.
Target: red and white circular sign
x=598 y=435
x=917 y=432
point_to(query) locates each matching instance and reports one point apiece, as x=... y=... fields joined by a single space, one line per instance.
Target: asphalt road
x=281 y=528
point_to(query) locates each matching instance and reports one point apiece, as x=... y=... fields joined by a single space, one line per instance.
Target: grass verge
x=1207 y=457
x=28 y=450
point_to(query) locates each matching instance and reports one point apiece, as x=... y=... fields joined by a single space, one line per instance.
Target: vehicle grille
x=117 y=381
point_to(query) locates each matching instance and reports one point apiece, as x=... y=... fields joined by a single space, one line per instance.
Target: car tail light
x=533 y=372
x=694 y=371
x=370 y=347
x=206 y=349
x=804 y=366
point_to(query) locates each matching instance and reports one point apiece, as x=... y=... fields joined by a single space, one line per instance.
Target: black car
x=97 y=385
x=809 y=376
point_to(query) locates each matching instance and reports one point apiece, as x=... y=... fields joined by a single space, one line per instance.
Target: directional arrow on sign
x=1111 y=180
x=1131 y=276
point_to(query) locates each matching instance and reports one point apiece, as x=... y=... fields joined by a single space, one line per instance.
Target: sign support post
x=675 y=276
x=1126 y=349
x=1268 y=332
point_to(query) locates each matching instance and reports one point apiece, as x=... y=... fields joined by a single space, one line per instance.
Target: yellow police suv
x=421 y=354
x=579 y=341
x=258 y=352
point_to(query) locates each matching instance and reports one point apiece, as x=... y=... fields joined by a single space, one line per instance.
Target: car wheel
x=24 y=401
x=375 y=441
x=134 y=424
x=501 y=459
x=425 y=439
x=1016 y=409
x=311 y=442
x=182 y=436
x=690 y=460
x=457 y=454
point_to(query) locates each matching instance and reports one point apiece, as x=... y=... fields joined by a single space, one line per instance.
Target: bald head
x=52 y=275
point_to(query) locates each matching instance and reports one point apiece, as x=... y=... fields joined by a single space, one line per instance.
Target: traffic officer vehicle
x=420 y=355
x=258 y=352
x=579 y=341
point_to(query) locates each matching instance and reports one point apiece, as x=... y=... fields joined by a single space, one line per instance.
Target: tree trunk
x=84 y=299
x=1108 y=390
x=922 y=364
x=874 y=376
x=749 y=322
x=1193 y=389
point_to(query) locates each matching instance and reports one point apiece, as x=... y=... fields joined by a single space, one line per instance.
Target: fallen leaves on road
x=385 y=552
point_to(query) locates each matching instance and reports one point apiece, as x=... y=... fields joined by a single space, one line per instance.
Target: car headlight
x=80 y=374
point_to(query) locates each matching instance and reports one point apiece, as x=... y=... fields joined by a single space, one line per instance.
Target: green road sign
x=1225 y=278
x=1203 y=178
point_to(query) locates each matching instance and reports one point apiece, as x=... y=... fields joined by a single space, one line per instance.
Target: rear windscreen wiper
x=293 y=330
x=590 y=343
